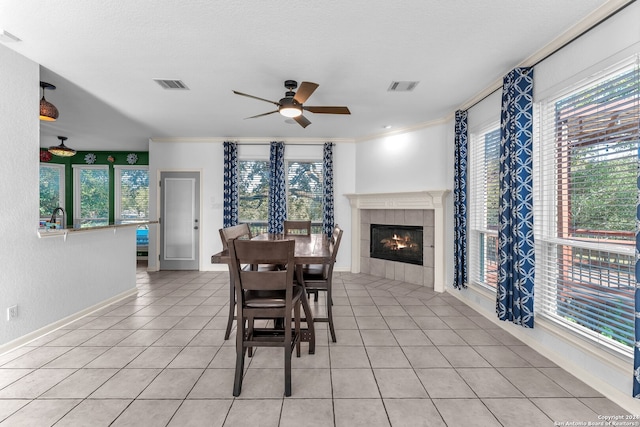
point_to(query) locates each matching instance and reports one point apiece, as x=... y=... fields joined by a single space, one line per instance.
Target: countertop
x=51 y=232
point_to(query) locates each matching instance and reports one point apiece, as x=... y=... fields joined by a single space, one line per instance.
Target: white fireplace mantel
x=431 y=199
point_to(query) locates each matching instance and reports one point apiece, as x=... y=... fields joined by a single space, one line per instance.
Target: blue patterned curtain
x=460 y=201
x=516 y=258
x=327 y=189
x=277 y=189
x=230 y=208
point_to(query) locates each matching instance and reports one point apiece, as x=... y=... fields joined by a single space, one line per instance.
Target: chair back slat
x=297 y=227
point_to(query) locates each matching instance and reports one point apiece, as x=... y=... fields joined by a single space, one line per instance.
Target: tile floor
x=405 y=357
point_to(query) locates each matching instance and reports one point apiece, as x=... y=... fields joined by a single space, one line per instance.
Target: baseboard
x=25 y=339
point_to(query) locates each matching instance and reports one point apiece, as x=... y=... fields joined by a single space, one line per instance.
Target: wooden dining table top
x=309 y=249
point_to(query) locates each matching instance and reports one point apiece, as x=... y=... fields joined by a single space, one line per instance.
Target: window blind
x=132 y=194
x=483 y=199
x=304 y=180
x=585 y=215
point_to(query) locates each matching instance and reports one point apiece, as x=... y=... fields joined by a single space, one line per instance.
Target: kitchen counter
x=53 y=232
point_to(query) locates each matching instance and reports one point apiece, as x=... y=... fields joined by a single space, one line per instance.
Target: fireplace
x=400 y=243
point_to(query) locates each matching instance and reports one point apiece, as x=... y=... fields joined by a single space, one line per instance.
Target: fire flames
x=397 y=243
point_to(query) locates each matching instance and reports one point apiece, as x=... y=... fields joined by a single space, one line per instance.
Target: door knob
x=195 y=228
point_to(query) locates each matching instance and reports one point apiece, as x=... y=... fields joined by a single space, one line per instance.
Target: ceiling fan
x=291 y=104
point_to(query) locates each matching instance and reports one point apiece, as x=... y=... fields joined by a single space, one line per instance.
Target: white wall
x=412 y=161
x=207 y=158
x=48 y=279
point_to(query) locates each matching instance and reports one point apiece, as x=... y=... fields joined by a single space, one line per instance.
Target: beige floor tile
x=10 y=406
x=149 y=413
x=126 y=384
x=77 y=357
x=194 y=357
x=80 y=384
x=94 y=412
x=255 y=412
x=116 y=357
x=354 y=383
x=348 y=357
x=41 y=412
x=34 y=384
x=411 y=338
x=444 y=383
x=307 y=412
x=513 y=412
x=487 y=382
x=387 y=357
x=196 y=413
x=155 y=357
x=412 y=413
x=360 y=413
x=378 y=338
x=172 y=384
x=399 y=383
x=214 y=384
x=465 y=413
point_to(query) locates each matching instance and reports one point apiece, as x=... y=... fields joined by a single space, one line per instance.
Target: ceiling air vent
x=171 y=84
x=402 y=86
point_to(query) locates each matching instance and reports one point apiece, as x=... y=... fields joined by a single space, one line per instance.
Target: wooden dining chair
x=265 y=294
x=319 y=277
x=297 y=227
x=241 y=232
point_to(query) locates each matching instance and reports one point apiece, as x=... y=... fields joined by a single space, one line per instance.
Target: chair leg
x=296 y=313
x=240 y=349
x=330 y=315
x=250 y=332
x=315 y=296
x=232 y=309
x=309 y=320
x=287 y=369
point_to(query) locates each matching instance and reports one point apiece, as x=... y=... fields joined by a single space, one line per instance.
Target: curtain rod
x=285 y=143
x=556 y=50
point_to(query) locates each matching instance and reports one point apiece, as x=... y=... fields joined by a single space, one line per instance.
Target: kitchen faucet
x=64 y=217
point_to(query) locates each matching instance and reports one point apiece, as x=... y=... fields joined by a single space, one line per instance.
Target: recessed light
x=387 y=126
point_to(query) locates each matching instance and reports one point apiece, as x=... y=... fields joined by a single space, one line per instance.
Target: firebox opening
x=402 y=243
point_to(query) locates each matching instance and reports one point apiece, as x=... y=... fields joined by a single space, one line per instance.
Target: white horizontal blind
x=304 y=190
x=484 y=168
x=586 y=206
x=132 y=193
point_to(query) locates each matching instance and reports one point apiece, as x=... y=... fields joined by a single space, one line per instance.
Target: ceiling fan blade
x=260 y=115
x=255 y=97
x=302 y=121
x=304 y=92
x=328 y=110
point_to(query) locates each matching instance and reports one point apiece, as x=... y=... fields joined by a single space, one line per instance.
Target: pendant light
x=48 y=111
x=62 y=150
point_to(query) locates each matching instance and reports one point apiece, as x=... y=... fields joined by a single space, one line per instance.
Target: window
x=253 y=194
x=304 y=193
x=51 y=189
x=131 y=194
x=91 y=195
x=484 y=164
x=585 y=223
x=132 y=199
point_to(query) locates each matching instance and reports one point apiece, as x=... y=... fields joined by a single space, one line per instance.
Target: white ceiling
x=102 y=56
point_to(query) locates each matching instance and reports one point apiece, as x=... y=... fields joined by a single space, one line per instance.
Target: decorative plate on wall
x=90 y=158
x=132 y=158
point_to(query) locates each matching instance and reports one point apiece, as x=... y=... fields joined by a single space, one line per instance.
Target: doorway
x=179 y=221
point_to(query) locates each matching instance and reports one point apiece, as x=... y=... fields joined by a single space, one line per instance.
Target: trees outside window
x=51 y=189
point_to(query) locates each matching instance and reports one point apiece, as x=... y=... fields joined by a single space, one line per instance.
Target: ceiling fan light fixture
x=290 y=111
x=62 y=150
x=48 y=111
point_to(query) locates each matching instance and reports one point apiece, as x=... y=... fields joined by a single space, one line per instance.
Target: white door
x=179 y=220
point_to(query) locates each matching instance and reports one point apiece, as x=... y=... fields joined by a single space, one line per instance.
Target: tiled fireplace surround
x=424 y=208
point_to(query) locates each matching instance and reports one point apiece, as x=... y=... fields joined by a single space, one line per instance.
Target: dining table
x=309 y=249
